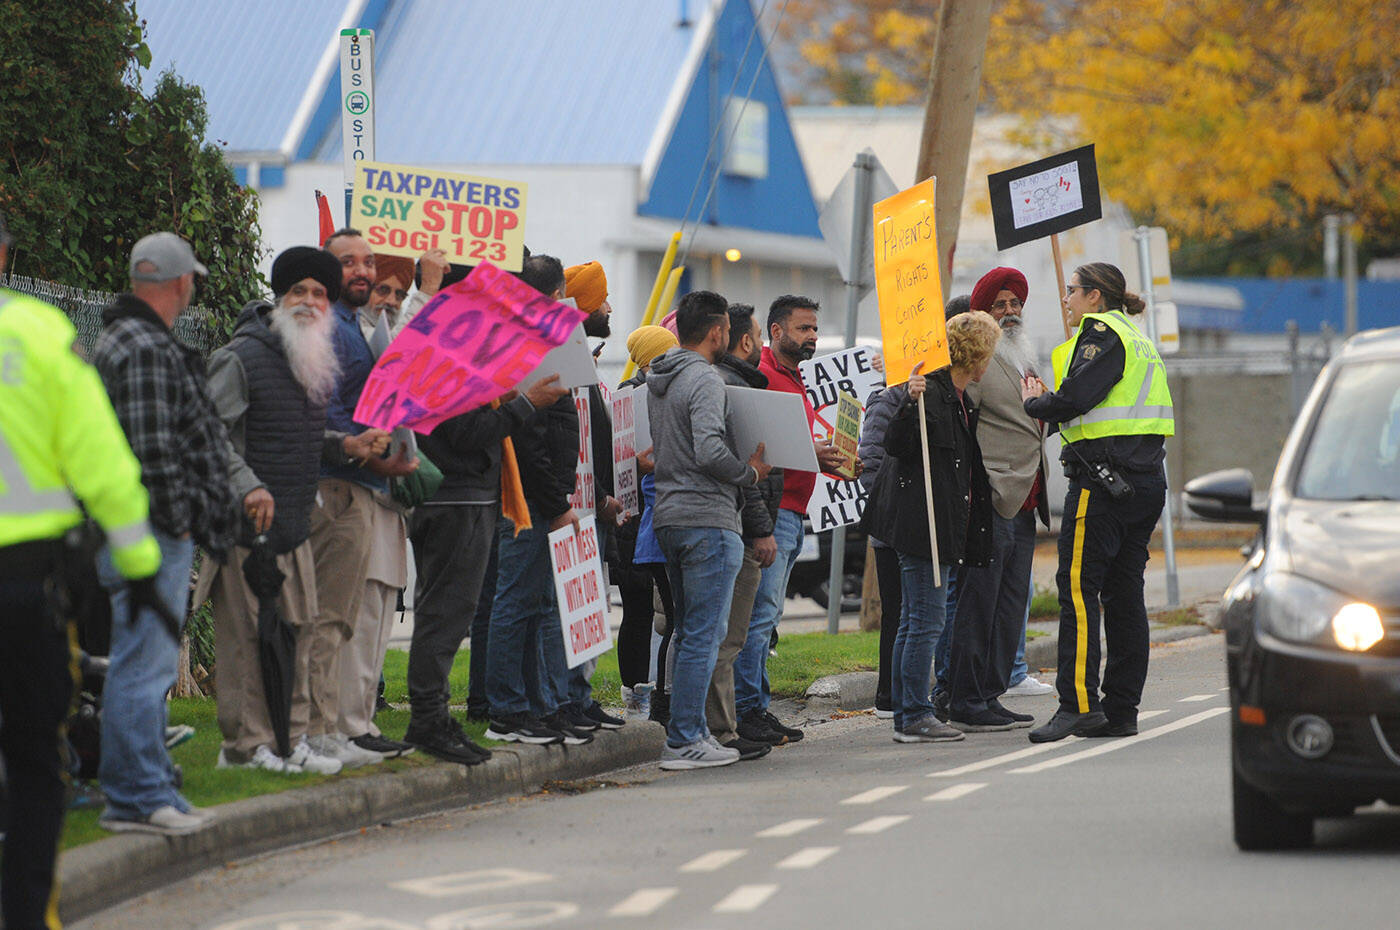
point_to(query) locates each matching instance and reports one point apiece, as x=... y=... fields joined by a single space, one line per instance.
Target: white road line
x=953 y=792
x=878 y=824
x=745 y=898
x=1196 y=698
x=714 y=860
x=1099 y=750
x=643 y=902
x=1224 y=689
x=806 y=858
x=875 y=794
x=1149 y=714
x=790 y=828
x=998 y=760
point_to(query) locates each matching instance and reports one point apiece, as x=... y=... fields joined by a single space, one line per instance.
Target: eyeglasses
x=384 y=290
x=1069 y=288
x=1004 y=305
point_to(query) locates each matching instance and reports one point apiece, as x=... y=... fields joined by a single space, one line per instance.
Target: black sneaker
x=576 y=718
x=940 y=705
x=1067 y=723
x=388 y=748
x=755 y=728
x=1115 y=728
x=660 y=708
x=1021 y=720
x=439 y=740
x=573 y=736
x=792 y=733
x=602 y=718
x=466 y=740
x=522 y=728
x=478 y=713
x=748 y=749
x=983 y=721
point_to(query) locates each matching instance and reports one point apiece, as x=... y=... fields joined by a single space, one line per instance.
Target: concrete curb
x=110 y=871
x=856 y=690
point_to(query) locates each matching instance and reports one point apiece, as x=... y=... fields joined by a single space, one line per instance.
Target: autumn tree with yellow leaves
x=1237 y=124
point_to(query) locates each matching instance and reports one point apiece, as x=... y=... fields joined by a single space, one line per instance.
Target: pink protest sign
x=471 y=343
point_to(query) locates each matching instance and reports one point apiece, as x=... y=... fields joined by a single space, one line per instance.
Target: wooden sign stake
x=1059 y=280
x=928 y=496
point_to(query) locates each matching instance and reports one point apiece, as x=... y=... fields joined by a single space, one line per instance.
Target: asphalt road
x=838 y=830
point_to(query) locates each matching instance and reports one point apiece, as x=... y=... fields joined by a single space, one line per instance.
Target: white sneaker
x=263 y=758
x=1030 y=686
x=697 y=755
x=309 y=760
x=637 y=701
x=166 y=820
x=339 y=748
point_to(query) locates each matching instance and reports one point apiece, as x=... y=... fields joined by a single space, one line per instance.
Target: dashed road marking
x=998 y=760
x=878 y=824
x=643 y=902
x=1115 y=745
x=790 y=828
x=806 y=858
x=714 y=860
x=875 y=794
x=1149 y=714
x=745 y=898
x=1196 y=698
x=953 y=792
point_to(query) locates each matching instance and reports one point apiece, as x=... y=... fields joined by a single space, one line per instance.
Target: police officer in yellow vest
x=1113 y=410
x=60 y=444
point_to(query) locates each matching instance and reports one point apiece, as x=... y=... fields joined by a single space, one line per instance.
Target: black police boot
x=1066 y=723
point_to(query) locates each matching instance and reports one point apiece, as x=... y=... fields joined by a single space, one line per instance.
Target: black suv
x=1312 y=621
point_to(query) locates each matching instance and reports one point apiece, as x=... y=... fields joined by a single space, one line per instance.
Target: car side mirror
x=1224 y=496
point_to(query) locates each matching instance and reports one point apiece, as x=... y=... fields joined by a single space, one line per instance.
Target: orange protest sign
x=908 y=283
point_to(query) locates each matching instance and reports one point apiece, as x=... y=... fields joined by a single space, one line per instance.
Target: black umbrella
x=277 y=641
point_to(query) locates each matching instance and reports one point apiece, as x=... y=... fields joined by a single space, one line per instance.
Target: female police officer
x=1114 y=411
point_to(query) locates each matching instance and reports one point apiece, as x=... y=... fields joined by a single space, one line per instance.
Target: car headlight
x=1357 y=627
x=1294 y=608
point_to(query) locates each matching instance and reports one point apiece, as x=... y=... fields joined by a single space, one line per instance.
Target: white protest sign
x=826 y=376
x=641 y=419
x=1046 y=195
x=578 y=583
x=837 y=502
x=776 y=419
x=571 y=360
x=583 y=499
x=625 y=451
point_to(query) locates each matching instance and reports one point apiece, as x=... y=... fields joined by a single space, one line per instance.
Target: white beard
x=1014 y=347
x=310 y=351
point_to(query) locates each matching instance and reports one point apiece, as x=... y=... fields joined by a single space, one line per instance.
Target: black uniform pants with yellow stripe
x=1103 y=552
x=37 y=669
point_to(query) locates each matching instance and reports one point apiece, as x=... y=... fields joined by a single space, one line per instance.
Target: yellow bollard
x=662 y=275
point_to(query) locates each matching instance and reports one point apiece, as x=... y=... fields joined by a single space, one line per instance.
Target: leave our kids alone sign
x=406 y=211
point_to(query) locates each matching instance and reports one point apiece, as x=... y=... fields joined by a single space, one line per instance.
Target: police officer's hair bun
x=1109 y=281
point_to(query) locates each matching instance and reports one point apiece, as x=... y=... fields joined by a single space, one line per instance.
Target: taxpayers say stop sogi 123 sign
x=404 y=210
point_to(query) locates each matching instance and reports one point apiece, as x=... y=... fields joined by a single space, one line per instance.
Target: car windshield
x=1354 y=453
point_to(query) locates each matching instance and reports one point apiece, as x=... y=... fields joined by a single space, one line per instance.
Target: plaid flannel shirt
x=157 y=387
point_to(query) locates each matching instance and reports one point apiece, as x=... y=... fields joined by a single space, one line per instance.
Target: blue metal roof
x=254 y=59
x=527 y=82
x=1271 y=302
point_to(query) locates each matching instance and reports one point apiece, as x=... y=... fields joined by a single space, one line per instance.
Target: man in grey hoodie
x=698 y=477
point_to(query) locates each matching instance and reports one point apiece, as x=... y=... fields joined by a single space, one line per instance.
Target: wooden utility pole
x=955 y=79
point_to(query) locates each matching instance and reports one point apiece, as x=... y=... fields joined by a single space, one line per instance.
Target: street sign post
x=1143 y=237
x=356 y=102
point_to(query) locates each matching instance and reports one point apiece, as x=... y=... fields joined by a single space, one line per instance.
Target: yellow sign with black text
x=908 y=283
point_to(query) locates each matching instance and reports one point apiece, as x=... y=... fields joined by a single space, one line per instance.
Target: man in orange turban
x=588 y=286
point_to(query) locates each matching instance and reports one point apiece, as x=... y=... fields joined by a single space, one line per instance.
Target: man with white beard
x=991 y=611
x=270 y=385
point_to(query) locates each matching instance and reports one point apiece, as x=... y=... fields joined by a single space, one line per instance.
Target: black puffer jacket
x=760 y=509
x=547 y=450
x=467 y=450
x=962 y=499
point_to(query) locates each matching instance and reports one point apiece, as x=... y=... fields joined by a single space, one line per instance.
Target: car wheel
x=1261 y=824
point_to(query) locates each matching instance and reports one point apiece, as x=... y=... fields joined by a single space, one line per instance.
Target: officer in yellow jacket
x=1114 y=412
x=60 y=444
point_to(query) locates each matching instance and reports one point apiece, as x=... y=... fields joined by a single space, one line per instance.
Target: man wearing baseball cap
x=157 y=388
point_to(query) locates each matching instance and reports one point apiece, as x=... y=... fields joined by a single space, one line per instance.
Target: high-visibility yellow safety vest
x=1138 y=404
x=59 y=438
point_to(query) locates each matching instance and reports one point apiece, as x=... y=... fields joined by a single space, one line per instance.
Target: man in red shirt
x=792 y=338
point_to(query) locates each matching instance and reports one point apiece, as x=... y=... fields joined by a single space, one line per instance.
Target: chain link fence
x=196 y=327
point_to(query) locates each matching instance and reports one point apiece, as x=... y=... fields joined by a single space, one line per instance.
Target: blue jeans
x=701 y=564
x=523 y=620
x=1019 y=669
x=944 y=649
x=135 y=771
x=920 y=622
x=751 y=665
